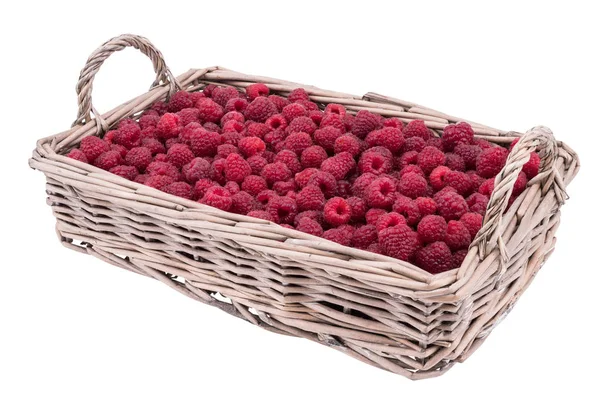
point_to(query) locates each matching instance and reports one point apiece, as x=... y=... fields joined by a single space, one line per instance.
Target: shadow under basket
x=379 y=310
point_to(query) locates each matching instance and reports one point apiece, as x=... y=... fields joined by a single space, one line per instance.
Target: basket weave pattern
x=380 y=310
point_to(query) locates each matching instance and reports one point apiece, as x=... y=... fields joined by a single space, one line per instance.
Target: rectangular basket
x=380 y=310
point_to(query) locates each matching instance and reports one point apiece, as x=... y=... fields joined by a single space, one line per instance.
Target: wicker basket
x=382 y=311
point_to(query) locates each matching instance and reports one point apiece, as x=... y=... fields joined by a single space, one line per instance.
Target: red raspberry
x=128 y=135
x=456 y=134
x=381 y=193
x=407 y=208
x=459 y=181
x=170 y=142
x=333 y=121
x=412 y=185
x=141 y=178
x=365 y=122
x=168 y=126
x=201 y=186
x=411 y=169
x=390 y=138
x=491 y=161
x=337 y=211
x=417 y=128
x=275 y=172
x=160 y=157
x=476 y=180
x=242 y=203
x=399 y=241
x=434 y=258
x=92 y=147
x=197 y=168
x=358 y=208
x=282 y=209
x=458 y=257
x=178 y=155
x=148 y=121
x=139 y=157
x=210 y=111
x=163 y=168
x=362 y=183
x=364 y=236
x=346 y=143
x=472 y=221
x=310 y=226
x=232 y=132
x=477 y=203
x=180 y=189
x=455 y=162
x=324 y=181
x=125 y=171
x=122 y=150
x=217 y=197
x=343 y=189
x=204 y=143
x=520 y=184
x=293 y=111
x=435 y=142
x=108 y=160
x=432 y=228
x=212 y=127
x=313 y=157
x=469 y=154
x=222 y=94
x=256 y=90
x=298 y=94
x=257 y=129
x=257 y=163
x=78 y=155
x=224 y=150
x=426 y=205
x=298 y=142
x=301 y=124
x=236 y=168
x=218 y=171
x=188 y=115
x=430 y=158
x=457 y=236
x=339 y=165
x=337 y=235
x=179 y=101
x=254 y=184
x=195 y=96
x=389 y=220
x=290 y=159
x=250 y=146
x=232 y=187
x=487 y=187
x=310 y=198
x=393 y=122
x=186 y=132
x=333 y=108
x=238 y=104
x=285 y=188
x=260 y=109
x=261 y=214
x=159 y=182
x=316 y=116
x=406 y=159
x=232 y=116
x=279 y=101
x=208 y=90
x=414 y=143
x=326 y=137
x=375 y=163
x=372 y=215
x=309 y=105
x=276 y=121
x=303 y=177
x=532 y=167
x=451 y=205
x=312 y=214
x=160 y=107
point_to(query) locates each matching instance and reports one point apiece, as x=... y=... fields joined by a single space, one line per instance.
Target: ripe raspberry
x=261 y=214
x=399 y=241
x=222 y=94
x=180 y=189
x=170 y=142
x=316 y=116
x=212 y=127
x=232 y=116
x=310 y=226
x=218 y=171
x=78 y=155
x=301 y=124
x=168 y=126
x=232 y=132
x=432 y=228
x=256 y=90
x=250 y=146
x=160 y=107
x=178 y=154
x=204 y=143
x=257 y=129
x=333 y=121
x=197 y=168
x=337 y=211
x=195 y=96
x=148 y=121
x=217 y=197
x=532 y=167
x=393 y=122
x=303 y=177
x=290 y=159
x=324 y=181
x=417 y=128
x=414 y=143
x=160 y=157
x=139 y=157
x=293 y=111
x=232 y=187
x=92 y=147
x=406 y=159
x=390 y=138
x=520 y=184
x=487 y=187
x=313 y=157
x=362 y=183
x=381 y=193
x=159 y=182
x=108 y=160
x=472 y=221
x=375 y=163
x=333 y=108
x=358 y=208
x=455 y=162
x=242 y=203
x=254 y=184
x=185 y=134
x=426 y=205
x=456 y=134
x=435 y=142
x=338 y=235
x=125 y=171
x=128 y=136
x=309 y=105
x=179 y=101
x=389 y=220
x=364 y=236
x=339 y=165
x=373 y=215
x=279 y=101
x=238 y=104
x=122 y=150
x=298 y=94
x=459 y=181
x=346 y=143
x=210 y=111
x=326 y=137
x=407 y=208
x=476 y=180
x=434 y=258
x=276 y=121
x=257 y=163
x=365 y=122
x=141 y=178
x=412 y=185
x=260 y=109
x=236 y=168
x=201 y=186
x=188 y=115
x=263 y=197
x=310 y=198
x=491 y=161
x=275 y=172
x=343 y=189
x=298 y=142
x=458 y=257
x=430 y=158
x=410 y=169
x=477 y=203
x=457 y=236
x=469 y=154
x=163 y=168
x=282 y=209
x=451 y=205
x=224 y=150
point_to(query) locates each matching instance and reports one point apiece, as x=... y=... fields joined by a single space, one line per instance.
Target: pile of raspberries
x=361 y=180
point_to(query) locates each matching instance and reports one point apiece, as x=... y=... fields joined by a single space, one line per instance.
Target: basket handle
x=95 y=61
x=542 y=139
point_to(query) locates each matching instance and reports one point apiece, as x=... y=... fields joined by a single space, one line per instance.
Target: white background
x=72 y=327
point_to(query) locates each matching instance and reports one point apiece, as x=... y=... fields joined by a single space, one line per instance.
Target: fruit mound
x=361 y=180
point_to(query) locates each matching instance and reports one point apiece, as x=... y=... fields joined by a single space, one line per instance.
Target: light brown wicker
x=380 y=310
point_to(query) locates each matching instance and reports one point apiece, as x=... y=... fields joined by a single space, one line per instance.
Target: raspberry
x=435 y=142
x=233 y=116
x=160 y=157
x=469 y=154
x=195 y=96
x=224 y=150
x=168 y=126
x=254 y=184
x=186 y=132
x=139 y=157
x=261 y=214
x=122 y=150
x=399 y=241
x=393 y=122
x=458 y=257
x=361 y=184
x=78 y=155
x=279 y=101
x=276 y=121
x=298 y=94
x=411 y=169
x=333 y=121
x=209 y=110
x=179 y=101
x=217 y=197
x=487 y=187
x=125 y=171
x=232 y=132
x=456 y=134
x=365 y=122
x=316 y=116
x=310 y=198
x=141 y=178
x=163 y=168
x=159 y=182
x=381 y=193
x=232 y=187
x=373 y=214
x=222 y=94
x=250 y=146
x=339 y=165
x=326 y=137
x=430 y=158
x=532 y=167
x=153 y=145
x=238 y=104
x=364 y=236
x=180 y=189
x=282 y=209
x=208 y=90
x=312 y=214
x=148 y=121
x=333 y=108
x=201 y=186
x=358 y=208
x=275 y=172
x=309 y=105
x=256 y=90
x=212 y=127
x=457 y=236
x=455 y=162
x=477 y=203
x=242 y=203
x=178 y=154
x=476 y=180
x=324 y=181
x=92 y=147
x=426 y=205
x=260 y=109
x=432 y=228
x=275 y=138
x=407 y=208
x=128 y=135
x=171 y=141
x=293 y=111
x=451 y=205
x=313 y=157
x=303 y=177
x=160 y=107
x=346 y=143
x=388 y=220
x=472 y=221
x=257 y=129
x=390 y=138
x=406 y=159
x=375 y=163
x=491 y=161
x=310 y=226
x=374 y=248
x=188 y=115
x=108 y=160
x=417 y=128
x=412 y=185
x=301 y=124
x=204 y=143
x=290 y=159
x=197 y=168
x=520 y=184
x=434 y=258
x=337 y=211
x=218 y=171
x=459 y=181
x=298 y=142
x=236 y=168
x=338 y=235
x=257 y=163
x=414 y=143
